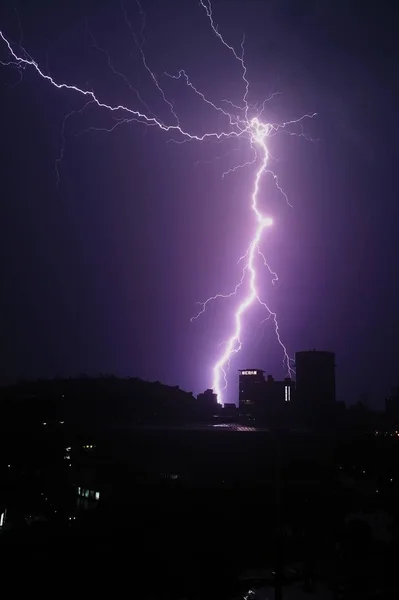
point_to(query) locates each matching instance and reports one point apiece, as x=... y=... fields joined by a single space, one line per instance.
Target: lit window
x=79 y=491
x=97 y=495
x=86 y=493
x=1 y=519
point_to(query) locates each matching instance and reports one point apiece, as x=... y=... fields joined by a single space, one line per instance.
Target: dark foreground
x=200 y=512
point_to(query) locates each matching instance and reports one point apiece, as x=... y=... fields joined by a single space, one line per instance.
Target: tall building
x=258 y=395
x=251 y=389
x=315 y=378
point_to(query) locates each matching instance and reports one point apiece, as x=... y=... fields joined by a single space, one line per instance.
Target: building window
x=88 y=494
x=287 y=393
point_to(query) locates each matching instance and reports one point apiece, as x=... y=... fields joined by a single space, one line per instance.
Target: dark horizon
x=102 y=272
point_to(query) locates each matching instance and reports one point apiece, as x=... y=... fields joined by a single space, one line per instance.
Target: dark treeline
x=104 y=399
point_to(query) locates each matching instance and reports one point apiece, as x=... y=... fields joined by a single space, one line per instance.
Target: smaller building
x=208 y=399
x=229 y=409
x=207 y=405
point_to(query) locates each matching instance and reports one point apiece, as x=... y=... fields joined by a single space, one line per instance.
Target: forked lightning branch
x=242 y=121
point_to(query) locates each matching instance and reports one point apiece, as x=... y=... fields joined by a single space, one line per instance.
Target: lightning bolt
x=258 y=133
x=239 y=124
x=132 y=115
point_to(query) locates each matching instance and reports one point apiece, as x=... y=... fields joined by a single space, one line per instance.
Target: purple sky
x=102 y=275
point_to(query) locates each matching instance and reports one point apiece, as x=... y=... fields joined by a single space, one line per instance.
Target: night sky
x=102 y=274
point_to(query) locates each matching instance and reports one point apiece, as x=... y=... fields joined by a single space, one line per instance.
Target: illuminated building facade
x=251 y=389
x=262 y=396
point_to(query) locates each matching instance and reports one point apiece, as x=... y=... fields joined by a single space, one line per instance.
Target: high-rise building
x=315 y=378
x=258 y=395
x=251 y=389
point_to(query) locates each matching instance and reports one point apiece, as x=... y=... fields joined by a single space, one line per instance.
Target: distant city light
x=234 y=427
